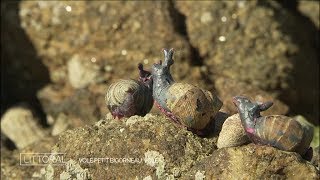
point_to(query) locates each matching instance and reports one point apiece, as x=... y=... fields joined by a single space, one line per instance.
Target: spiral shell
x=194 y=107
x=129 y=97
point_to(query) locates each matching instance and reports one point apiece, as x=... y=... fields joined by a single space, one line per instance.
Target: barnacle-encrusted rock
x=253 y=162
x=232 y=133
x=21 y=126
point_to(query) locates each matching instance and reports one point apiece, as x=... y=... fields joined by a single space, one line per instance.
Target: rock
x=21 y=126
x=74 y=171
x=310 y=9
x=228 y=88
x=316 y=137
x=316 y=157
x=81 y=71
x=60 y=125
x=109 y=39
x=232 y=133
x=115 y=36
x=270 y=55
x=218 y=29
x=82 y=106
x=135 y=147
x=253 y=162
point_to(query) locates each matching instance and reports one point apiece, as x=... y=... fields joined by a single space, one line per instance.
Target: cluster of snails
x=185 y=104
x=194 y=108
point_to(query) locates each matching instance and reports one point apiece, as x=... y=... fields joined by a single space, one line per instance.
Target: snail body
x=185 y=104
x=128 y=97
x=278 y=131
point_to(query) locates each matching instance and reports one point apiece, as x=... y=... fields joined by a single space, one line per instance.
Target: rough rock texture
x=10 y=160
x=232 y=133
x=21 y=126
x=95 y=43
x=158 y=150
x=253 y=162
x=228 y=88
x=147 y=139
x=259 y=58
x=272 y=55
x=114 y=40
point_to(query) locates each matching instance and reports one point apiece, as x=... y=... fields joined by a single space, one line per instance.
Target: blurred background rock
x=60 y=56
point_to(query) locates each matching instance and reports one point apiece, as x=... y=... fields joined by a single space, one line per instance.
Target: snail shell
x=232 y=133
x=185 y=104
x=126 y=98
x=194 y=107
x=284 y=133
x=278 y=131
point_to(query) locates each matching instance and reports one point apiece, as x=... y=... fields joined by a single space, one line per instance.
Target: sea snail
x=185 y=104
x=128 y=97
x=278 y=131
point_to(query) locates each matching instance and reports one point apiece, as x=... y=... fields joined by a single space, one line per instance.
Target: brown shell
x=284 y=133
x=118 y=92
x=194 y=107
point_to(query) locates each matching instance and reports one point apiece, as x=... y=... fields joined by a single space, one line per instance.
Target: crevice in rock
x=179 y=24
x=22 y=71
x=303 y=94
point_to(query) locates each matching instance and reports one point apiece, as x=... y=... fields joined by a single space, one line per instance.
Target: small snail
x=278 y=131
x=126 y=98
x=185 y=104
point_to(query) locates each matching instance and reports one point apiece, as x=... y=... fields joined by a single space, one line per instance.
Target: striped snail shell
x=126 y=98
x=278 y=131
x=184 y=103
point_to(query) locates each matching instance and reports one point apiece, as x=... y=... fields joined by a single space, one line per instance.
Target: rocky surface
x=253 y=162
x=21 y=126
x=311 y=9
x=61 y=56
x=153 y=147
x=228 y=88
x=272 y=56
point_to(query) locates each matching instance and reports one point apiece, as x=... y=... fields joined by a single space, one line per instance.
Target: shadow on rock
x=304 y=33
x=22 y=72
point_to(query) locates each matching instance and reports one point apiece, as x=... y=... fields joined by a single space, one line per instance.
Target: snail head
x=161 y=69
x=144 y=76
x=245 y=105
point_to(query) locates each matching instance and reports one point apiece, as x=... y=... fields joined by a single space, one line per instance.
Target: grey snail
x=185 y=104
x=128 y=97
x=278 y=131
